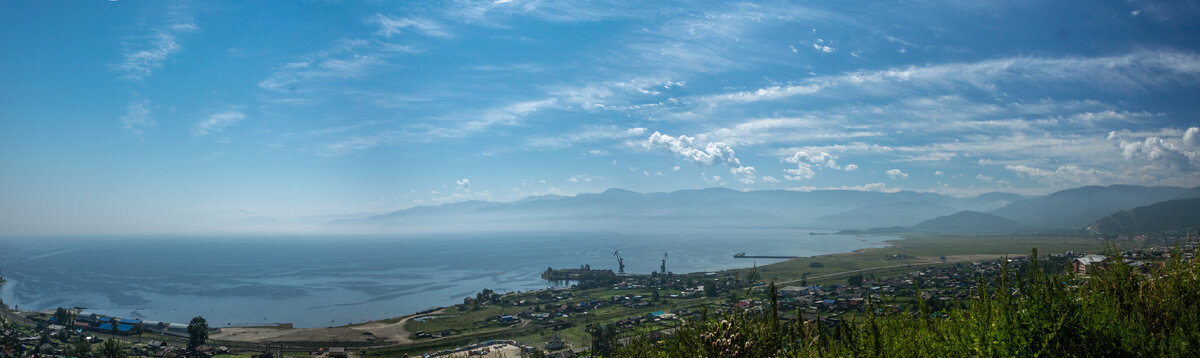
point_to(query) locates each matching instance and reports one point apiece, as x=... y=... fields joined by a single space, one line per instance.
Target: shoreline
x=288 y=325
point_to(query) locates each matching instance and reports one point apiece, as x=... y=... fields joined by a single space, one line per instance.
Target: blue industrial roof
x=130 y=320
x=106 y=326
x=124 y=327
x=656 y=313
x=104 y=319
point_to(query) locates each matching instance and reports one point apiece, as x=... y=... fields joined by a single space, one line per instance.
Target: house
x=555 y=343
x=337 y=352
x=1080 y=265
x=507 y=319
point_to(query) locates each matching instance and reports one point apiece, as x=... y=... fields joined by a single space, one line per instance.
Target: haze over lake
x=323 y=281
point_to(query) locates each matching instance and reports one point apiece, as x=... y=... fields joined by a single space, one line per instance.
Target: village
x=662 y=301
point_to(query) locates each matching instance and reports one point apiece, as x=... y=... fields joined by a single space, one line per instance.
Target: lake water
x=336 y=280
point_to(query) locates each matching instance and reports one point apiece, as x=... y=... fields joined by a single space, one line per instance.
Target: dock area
x=742 y=255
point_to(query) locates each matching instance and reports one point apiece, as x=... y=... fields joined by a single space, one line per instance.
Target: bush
x=1116 y=312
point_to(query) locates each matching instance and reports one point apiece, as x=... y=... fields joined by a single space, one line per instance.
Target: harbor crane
x=620 y=262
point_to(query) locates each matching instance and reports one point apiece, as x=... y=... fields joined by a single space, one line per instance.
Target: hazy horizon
x=180 y=117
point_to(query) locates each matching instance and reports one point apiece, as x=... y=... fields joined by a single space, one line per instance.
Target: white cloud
x=463 y=184
x=984 y=178
x=769 y=179
x=217 y=122
x=389 y=25
x=807 y=162
x=508 y=115
x=897 y=174
x=147 y=53
x=137 y=117
x=877 y=187
x=1068 y=174
x=588 y=134
x=762 y=94
x=1125 y=71
x=939 y=173
x=705 y=154
x=345 y=59
x=1179 y=152
x=1191 y=138
x=803 y=171
x=745 y=175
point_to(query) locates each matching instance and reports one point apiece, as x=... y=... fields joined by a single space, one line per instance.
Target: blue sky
x=192 y=117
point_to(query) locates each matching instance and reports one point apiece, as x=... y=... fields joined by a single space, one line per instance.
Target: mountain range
x=717 y=208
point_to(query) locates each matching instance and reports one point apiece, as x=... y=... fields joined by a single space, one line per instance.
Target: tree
x=855 y=280
x=654 y=295
x=112 y=349
x=604 y=339
x=198 y=332
x=62 y=317
x=710 y=288
x=81 y=349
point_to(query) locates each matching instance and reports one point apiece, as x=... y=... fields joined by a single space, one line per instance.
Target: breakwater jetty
x=742 y=255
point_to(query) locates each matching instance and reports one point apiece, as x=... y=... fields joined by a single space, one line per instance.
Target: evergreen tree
x=81 y=349
x=112 y=349
x=198 y=332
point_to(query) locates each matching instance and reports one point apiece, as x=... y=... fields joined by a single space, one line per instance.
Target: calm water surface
x=335 y=280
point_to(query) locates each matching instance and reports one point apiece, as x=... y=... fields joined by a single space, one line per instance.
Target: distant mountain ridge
x=705 y=209
x=678 y=210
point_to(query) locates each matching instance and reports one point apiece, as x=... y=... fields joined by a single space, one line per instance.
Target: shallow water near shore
x=330 y=281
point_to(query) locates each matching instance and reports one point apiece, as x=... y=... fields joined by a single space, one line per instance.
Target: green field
x=923 y=249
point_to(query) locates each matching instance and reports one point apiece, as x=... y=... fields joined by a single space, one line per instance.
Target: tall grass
x=1025 y=312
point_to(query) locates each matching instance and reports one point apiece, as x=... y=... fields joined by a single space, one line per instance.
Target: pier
x=742 y=255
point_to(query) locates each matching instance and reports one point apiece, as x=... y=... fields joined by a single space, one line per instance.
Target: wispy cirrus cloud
x=217 y=122
x=137 y=117
x=1136 y=70
x=145 y=53
x=392 y=25
x=588 y=134
x=345 y=60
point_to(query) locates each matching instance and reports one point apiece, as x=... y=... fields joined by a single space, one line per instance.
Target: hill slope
x=968 y=222
x=1172 y=216
x=882 y=215
x=1080 y=207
